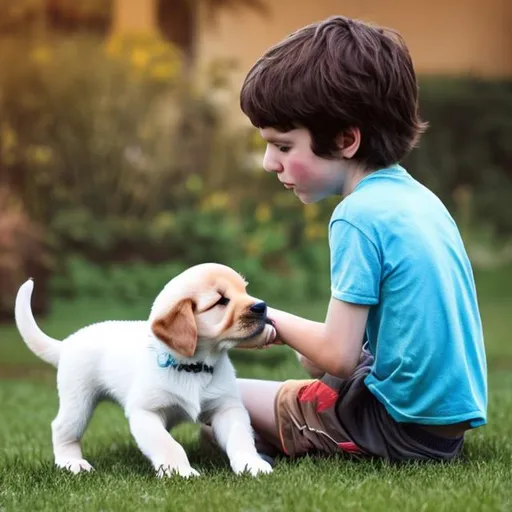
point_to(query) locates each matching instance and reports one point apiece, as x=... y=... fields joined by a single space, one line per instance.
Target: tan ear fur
x=177 y=328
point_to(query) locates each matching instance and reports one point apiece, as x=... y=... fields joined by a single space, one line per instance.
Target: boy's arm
x=312 y=370
x=333 y=346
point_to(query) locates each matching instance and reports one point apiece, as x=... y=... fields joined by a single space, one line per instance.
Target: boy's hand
x=333 y=346
x=277 y=340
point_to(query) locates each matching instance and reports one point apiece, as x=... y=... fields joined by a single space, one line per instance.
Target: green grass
x=124 y=479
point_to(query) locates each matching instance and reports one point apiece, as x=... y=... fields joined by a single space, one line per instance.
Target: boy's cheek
x=297 y=171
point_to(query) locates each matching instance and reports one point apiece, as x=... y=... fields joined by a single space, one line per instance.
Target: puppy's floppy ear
x=177 y=328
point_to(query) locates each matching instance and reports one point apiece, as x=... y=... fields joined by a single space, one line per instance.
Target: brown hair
x=334 y=75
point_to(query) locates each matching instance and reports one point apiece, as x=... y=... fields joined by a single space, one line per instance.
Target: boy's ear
x=349 y=142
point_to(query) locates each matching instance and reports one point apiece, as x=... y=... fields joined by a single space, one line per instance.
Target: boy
x=337 y=104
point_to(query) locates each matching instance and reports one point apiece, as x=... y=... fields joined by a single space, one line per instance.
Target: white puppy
x=172 y=368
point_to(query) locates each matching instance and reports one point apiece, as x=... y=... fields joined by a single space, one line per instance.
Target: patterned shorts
x=331 y=415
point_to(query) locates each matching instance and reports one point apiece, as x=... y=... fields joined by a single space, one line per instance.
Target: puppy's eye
x=223 y=301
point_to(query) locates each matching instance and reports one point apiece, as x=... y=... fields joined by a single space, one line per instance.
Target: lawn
x=124 y=480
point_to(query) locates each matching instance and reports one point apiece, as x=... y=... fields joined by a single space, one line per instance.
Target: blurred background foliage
x=117 y=171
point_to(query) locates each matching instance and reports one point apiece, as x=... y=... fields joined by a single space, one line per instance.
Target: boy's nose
x=271 y=164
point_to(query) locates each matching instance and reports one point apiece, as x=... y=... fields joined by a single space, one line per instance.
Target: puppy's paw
x=165 y=471
x=74 y=465
x=252 y=464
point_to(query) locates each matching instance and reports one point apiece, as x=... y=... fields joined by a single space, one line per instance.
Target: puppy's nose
x=260 y=308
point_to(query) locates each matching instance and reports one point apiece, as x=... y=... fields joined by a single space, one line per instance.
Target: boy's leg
x=258 y=397
x=284 y=419
x=293 y=418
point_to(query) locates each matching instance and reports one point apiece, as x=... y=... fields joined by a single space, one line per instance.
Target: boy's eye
x=283 y=149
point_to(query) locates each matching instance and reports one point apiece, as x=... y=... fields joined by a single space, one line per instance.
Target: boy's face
x=290 y=156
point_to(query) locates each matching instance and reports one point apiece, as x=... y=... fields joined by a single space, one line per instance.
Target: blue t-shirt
x=395 y=248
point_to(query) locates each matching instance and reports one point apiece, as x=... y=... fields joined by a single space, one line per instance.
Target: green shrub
x=467 y=147
x=138 y=281
x=130 y=171
x=23 y=253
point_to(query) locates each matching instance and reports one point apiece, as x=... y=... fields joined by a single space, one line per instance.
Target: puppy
x=171 y=368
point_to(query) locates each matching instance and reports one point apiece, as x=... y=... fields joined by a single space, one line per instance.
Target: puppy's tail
x=48 y=349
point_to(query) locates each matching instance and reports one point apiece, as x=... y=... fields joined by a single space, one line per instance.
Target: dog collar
x=166 y=360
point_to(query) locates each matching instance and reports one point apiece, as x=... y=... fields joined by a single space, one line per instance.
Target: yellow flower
x=164 y=221
x=159 y=47
x=252 y=247
x=163 y=71
x=219 y=200
x=314 y=231
x=8 y=139
x=215 y=202
x=114 y=46
x=139 y=58
x=39 y=154
x=194 y=183
x=263 y=213
x=311 y=211
x=41 y=55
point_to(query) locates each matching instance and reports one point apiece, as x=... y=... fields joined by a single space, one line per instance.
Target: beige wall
x=443 y=35
x=133 y=15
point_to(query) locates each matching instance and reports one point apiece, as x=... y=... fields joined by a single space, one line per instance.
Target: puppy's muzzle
x=259 y=309
x=258 y=315
x=255 y=319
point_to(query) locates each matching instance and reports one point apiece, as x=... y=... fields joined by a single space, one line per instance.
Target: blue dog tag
x=164 y=360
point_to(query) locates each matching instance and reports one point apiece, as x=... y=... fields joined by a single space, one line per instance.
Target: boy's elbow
x=341 y=369
x=343 y=361
x=312 y=370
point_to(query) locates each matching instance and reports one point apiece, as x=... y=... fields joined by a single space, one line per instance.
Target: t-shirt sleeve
x=355 y=264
